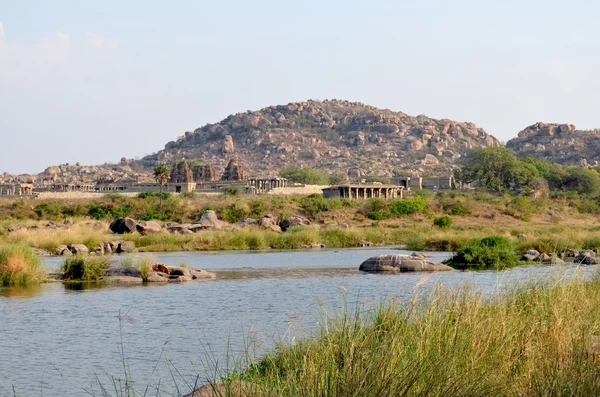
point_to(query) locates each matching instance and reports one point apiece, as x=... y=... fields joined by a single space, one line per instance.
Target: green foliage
x=234 y=213
x=443 y=221
x=19 y=265
x=520 y=207
x=84 y=268
x=96 y=212
x=307 y=176
x=496 y=168
x=316 y=203
x=153 y=193
x=409 y=206
x=48 y=210
x=162 y=173
x=233 y=190
x=376 y=178
x=489 y=252
x=257 y=208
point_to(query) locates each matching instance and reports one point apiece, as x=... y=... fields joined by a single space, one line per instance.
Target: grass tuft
x=19 y=265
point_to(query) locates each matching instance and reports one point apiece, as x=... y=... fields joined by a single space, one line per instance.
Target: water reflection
x=22 y=291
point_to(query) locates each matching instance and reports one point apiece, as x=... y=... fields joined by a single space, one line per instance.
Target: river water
x=59 y=341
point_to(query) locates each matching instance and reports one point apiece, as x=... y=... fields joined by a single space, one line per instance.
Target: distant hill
x=349 y=139
x=559 y=143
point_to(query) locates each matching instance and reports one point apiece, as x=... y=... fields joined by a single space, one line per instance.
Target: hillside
x=559 y=143
x=349 y=139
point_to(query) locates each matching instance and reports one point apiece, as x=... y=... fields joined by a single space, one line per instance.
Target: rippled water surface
x=58 y=341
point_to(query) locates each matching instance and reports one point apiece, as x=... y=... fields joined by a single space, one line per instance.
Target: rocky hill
x=559 y=143
x=349 y=139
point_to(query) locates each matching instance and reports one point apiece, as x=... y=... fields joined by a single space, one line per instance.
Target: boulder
x=121 y=279
x=553 y=260
x=313 y=246
x=210 y=221
x=418 y=255
x=126 y=246
x=542 y=258
x=528 y=257
x=179 y=271
x=150 y=227
x=198 y=274
x=401 y=263
x=585 y=258
x=294 y=220
x=179 y=279
x=107 y=247
x=179 y=228
x=569 y=253
x=99 y=250
x=123 y=225
x=157 y=277
x=128 y=271
x=532 y=252
x=78 y=249
x=63 y=250
x=247 y=222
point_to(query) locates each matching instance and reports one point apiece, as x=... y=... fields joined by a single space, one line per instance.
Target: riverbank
x=539 y=339
x=546 y=225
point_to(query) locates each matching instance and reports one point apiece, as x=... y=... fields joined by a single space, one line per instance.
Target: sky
x=92 y=82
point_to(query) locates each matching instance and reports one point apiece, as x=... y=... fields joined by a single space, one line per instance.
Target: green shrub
x=444 y=221
x=408 y=206
x=96 y=212
x=233 y=190
x=20 y=264
x=46 y=210
x=152 y=193
x=521 y=208
x=234 y=213
x=86 y=268
x=489 y=252
x=316 y=203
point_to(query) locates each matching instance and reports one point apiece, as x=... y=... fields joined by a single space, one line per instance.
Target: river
x=60 y=341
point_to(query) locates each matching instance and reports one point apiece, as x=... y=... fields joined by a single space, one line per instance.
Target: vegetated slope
x=558 y=143
x=349 y=139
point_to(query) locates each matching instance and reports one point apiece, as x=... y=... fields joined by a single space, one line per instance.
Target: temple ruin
x=233 y=171
x=364 y=191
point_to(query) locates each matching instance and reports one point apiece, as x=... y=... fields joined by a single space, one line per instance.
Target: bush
x=233 y=190
x=408 y=206
x=81 y=268
x=521 y=208
x=316 y=203
x=20 y=264
x=489 y=252
x=96 y=212
x=152 y=193
x=307 y=176
x=234 y=213
x=444 y=221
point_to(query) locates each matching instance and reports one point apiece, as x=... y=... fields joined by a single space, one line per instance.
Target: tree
x=308 y=176
x=161 y=175
x=496 y=168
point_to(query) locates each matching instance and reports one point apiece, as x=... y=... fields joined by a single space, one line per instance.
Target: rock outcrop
x=401 y=263
x=294 y=220
x=558 y=143
x=329 y=135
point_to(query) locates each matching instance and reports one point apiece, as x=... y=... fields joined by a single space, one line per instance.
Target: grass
x=20 y=265
x=541 y=339
x=141 y=262
x=85 y=268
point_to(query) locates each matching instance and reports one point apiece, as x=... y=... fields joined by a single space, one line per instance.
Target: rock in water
x=401 y=263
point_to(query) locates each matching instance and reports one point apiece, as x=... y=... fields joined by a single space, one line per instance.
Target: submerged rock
x=401 y=263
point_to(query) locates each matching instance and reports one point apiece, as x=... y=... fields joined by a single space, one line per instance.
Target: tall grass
x=85 y=268
x=19 y=265
x=535 y=340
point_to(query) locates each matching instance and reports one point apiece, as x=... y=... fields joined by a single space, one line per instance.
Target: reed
x=20 y=265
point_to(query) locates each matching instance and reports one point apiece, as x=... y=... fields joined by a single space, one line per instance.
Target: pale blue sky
x=94 y=81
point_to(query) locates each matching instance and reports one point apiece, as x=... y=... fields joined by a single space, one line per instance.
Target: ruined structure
x=431 y=183
x=181 y=173
x=233 y=171
x=266 y=184
x=202 y=173
x=16 y=189
x=364 y=191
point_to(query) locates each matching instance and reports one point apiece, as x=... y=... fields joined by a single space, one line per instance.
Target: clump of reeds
x=19 y=264
x=85 y=268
